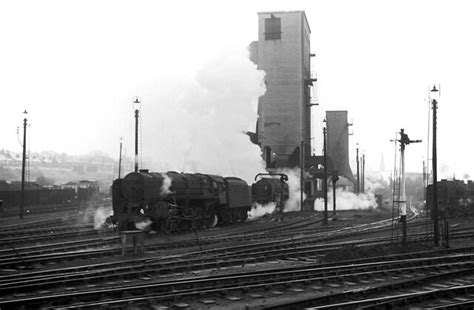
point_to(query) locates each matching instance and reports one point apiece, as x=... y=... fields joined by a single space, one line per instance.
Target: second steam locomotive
x=175 y=201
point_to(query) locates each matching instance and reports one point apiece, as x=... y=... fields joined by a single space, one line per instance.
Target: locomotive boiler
x=175 y=201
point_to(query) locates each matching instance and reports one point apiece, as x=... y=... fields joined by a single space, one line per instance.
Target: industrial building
x=284 y=112
x=283 y=127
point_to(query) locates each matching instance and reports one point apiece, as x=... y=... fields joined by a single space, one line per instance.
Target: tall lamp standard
x=434 y=96
x=120 y=159
x=136 y=107
x=22 y=197
x=357 y=161
x=325 y=180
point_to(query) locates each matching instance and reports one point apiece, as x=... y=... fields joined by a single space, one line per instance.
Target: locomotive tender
x=455 y=198
x=175 y=201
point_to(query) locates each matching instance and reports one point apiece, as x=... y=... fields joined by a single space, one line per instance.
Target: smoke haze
x=259 y=210
x=199 y=128
x=293 y=203
x=346 y=200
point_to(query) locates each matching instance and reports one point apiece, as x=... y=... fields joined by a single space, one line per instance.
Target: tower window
x=273 y=28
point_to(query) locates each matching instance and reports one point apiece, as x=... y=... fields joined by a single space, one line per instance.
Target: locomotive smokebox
x=137 y=186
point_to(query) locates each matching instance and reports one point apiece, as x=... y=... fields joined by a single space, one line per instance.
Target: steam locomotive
x=268 y=190
x=175 y=201
x=455 y=198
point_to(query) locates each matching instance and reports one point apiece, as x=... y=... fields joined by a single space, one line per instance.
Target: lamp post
x=362 y=183
x=136 y=107
x=335 y=178
x=22 y=198
x=357 y=161
x=325 y=179
x=434 y=96
x=302 y=164
x=120 y=159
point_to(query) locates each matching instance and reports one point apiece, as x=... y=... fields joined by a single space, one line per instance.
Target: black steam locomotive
x=175 y=201
x=269 y=189
x=455 y=198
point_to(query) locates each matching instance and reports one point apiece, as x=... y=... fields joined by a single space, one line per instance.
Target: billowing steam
x=293 y=203
x=100 y=215
x=259 y=210
x=165 y=187
x=143 y=225
x=96 y=216
x=375 y=181
x=199 y=126
x=346 y=200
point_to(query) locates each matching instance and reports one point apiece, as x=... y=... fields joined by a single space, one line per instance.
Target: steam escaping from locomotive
x=259 y=210
x=207 y=115
x=100 y=215
x=165 y=187
x=143 y=225
x=294 y=187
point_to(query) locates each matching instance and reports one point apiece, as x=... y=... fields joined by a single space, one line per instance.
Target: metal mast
x=404 y=140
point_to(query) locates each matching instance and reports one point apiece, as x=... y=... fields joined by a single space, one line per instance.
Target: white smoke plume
x=198 y=126
x=346 y=200
x=165 y=187
x=95 y=215
x=375 y=181
x=143 y=225
x=294 y=202
x=100 y=215
x=259 y=210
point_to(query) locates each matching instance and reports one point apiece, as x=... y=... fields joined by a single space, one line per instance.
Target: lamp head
x=434 y=93
x=136 y=103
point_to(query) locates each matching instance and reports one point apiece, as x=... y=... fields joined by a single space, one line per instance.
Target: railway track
x=212 y=258
x=44 y=234
x=149 y=290
x=279 y=246
x=62 y=220
x=299 y=249
x=99 y=247
x=40 y=209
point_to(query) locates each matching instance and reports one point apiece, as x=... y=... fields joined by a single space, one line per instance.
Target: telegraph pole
x=325 y=181
x=425 y=184
x=435 y=93
x=363 y=174
x=136 y=106
x=358 y=178
x=335 y=178
x=120 y=159
x=301 y=174
x=22 y=197
x=404 y=140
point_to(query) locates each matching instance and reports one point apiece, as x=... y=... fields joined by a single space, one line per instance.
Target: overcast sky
x=76 y=66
